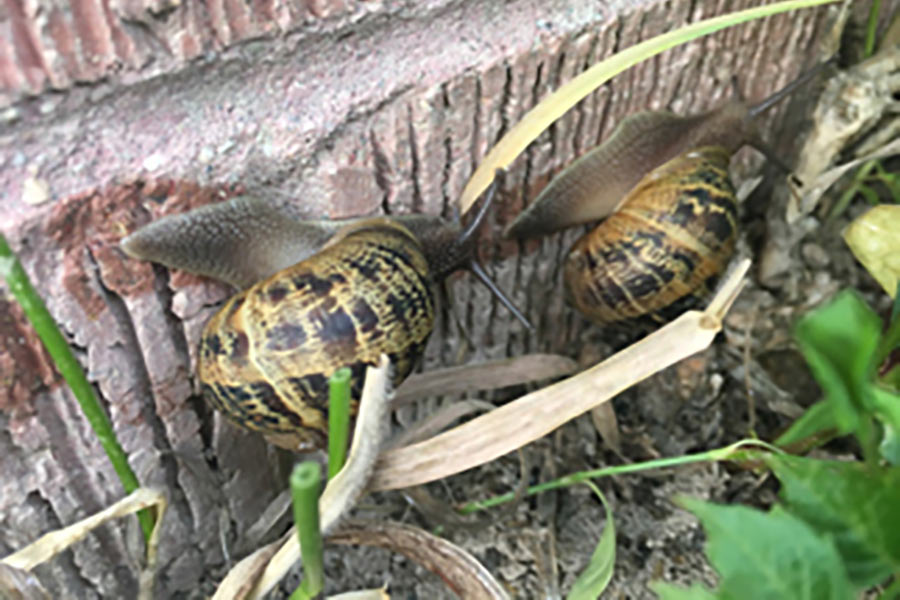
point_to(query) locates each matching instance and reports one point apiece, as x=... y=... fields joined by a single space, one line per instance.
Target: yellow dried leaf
x=874 y=239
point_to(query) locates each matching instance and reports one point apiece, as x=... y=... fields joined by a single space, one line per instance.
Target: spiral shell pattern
x=671 y=238
x=266 y=357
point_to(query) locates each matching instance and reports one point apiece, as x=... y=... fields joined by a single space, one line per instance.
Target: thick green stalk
x=338 y=419
x=71 y=370
x=305 y=487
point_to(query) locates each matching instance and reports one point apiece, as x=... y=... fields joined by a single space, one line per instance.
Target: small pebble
x=815 y=255
x=35 y=191
x=153 y=162
x=206 y=154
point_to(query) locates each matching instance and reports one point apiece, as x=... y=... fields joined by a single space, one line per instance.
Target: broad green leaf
x=839 y=341
x=856 y=505
x=596 y=576
x=667 y=591
x=769 y=555
x=818 y=418
x=873 y=239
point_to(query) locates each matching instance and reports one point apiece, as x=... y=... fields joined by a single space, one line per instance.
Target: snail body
x=266 y=356
x=661 y=181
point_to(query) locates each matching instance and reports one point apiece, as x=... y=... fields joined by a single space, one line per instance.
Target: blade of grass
x=56 y=345
x=556 y=104
x=718 y=454
x=338 y=419
x=305 y=486
x=872 y=27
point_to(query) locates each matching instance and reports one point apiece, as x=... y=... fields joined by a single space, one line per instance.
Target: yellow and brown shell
x=672 y=237
x=266 y=356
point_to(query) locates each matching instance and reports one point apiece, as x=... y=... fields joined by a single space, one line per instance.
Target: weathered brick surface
x=347 y=107
x=54 y=45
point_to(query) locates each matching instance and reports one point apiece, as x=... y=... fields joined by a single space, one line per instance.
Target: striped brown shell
x=672 y=236
x=266 y=356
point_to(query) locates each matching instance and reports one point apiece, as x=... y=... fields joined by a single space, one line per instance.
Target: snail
x=663 y=180
x=316 y=296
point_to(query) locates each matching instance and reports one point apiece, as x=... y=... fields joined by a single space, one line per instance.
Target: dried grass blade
x=50 y=544
x=534 y=415
x=489 y=375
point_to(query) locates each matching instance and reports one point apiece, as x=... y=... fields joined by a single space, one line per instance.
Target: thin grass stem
x=56 y=345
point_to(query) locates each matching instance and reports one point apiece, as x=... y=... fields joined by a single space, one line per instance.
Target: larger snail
x=663 y=180
x=317 y=295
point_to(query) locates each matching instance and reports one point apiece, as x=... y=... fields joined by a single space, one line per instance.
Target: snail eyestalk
x=477 y=270
x=787 y=90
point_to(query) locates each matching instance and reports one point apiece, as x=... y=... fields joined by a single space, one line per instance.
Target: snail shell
x=674 y=234
x=266 y=356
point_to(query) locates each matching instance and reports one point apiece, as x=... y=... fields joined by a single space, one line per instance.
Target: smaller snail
x=663 y=180
x=317 y=296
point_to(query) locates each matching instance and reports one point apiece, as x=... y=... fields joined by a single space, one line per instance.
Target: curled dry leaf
x=50 y=544
x=467 y=577
x=851 y=104
x=873 y=238
x=489 y=375
x=607 y=425
x=814 y=192
x=534 y=415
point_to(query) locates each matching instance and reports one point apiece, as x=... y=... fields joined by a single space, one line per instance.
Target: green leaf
x=818 y=418
x=886 y=406
x=854 y=504
x=839 y=342
x=667 y=591
x=872 y=237
x=889 y=448
x=599 y=571
x=869 y=194
x=769 y=555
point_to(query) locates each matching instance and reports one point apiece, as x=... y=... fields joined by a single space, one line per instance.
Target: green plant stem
x=71 y=370
x=895 y=311
x=305 y=487
x=728 y=452
x=872 y=27
x=891 y=337
x=893 y=590
x=859 y=182
x=338 y=419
